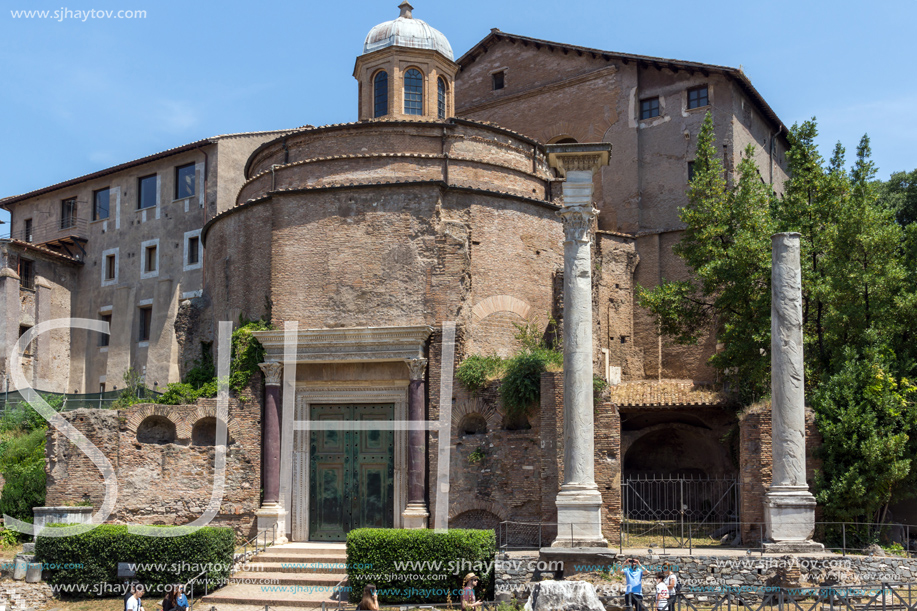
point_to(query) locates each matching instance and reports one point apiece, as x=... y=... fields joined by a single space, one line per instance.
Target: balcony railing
x=66 y=235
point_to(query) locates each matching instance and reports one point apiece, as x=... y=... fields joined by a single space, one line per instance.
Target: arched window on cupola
x=380 y=94
x=441 y=102
x=413 y=92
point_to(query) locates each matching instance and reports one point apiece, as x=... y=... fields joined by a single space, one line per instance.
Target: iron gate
x=671 y=510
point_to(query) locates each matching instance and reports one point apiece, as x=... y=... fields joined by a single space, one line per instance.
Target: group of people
x=370 y=601
x=667 y=587
x=175 y=599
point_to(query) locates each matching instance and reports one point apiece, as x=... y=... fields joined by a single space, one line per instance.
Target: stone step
x=259 y=596
x=298 y=565
x=288 y=579
x=298 y=559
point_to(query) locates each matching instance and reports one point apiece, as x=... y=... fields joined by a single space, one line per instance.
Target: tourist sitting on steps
x=662 y=592
x=168 y=602
x=181 y=601
x=633 y=578
x=468 y=585
x=370 y=600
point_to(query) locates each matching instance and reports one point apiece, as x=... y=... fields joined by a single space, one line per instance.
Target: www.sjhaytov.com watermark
x=66 y=14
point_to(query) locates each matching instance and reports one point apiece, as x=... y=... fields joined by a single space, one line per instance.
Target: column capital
x=578 y=223
x=585 y=157
x=273 y=373
x=417 y=367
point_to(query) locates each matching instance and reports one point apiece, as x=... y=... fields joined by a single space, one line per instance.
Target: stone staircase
x=300 y=575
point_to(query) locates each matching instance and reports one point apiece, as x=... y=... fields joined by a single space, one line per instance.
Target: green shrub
x=22 y=463
x=22 y=417
x=521 y=389
x=476 y=371
x=185 y=394
x=598 y=385
x=247 y=353
x=372 y=554
x=168 y=560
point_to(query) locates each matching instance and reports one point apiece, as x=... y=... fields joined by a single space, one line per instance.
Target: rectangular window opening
x=150 y=259
x=68 y=213
x=27 y=230
x=184 y=181
x=105 y=338
x=100 y=204
x=26 y=273
x=146 y=320
x=194 y=253
x=110 y=267
x=499 y=80
x=697 y=97
x=649 y=108
x=146 y=192
x=690 y=171
x=28 y=348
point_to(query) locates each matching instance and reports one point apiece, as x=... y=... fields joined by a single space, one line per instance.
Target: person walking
x=370 y=600
x=133 y=603
x=662 y=592
x=671 y=583
x=468 y=584
x=633 y=578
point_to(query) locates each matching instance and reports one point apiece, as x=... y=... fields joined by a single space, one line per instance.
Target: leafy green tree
x=899 y=194
x=726 y=244
x=22 y=463
x=868 y=421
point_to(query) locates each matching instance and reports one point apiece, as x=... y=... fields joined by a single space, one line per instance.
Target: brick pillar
x=272 y=513
x=608 y=468
x=416 y=514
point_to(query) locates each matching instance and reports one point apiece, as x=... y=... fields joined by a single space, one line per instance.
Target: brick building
x=433 y=214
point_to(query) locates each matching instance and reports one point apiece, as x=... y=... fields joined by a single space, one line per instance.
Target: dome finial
x=406 y=9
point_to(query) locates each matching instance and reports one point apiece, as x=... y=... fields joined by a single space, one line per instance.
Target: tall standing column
x=416 y=513
x=789 y=506
x=579 y=502
x=272 y=512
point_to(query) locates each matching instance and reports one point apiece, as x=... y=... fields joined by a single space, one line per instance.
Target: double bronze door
x=351 y=471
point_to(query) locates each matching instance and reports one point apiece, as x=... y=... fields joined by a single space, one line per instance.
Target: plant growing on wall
x=475 y=371
x=477 y=456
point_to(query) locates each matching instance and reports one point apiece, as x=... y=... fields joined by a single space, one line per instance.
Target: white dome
x=407 y=32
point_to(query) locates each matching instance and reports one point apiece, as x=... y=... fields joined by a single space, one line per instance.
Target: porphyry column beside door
x=416 y=513
x=272 y=512
x=789 y=507
x=579 y=502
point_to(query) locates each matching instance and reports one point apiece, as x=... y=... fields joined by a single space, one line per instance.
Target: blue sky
x=78 y=96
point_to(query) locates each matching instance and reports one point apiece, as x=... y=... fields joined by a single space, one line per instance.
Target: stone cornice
x=354 y=344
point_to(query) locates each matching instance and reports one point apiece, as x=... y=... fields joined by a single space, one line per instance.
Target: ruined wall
x=164 y=476
x=756 y=464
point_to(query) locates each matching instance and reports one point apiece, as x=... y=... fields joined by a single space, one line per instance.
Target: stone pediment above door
x=353 y=344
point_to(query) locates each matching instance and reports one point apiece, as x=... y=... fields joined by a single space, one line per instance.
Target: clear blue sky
x=77 y=96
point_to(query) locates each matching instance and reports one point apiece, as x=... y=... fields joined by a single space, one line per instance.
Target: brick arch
x=464 y=505
x=198 y=412
x=142 y=412
x=501 y=303
x=476 y=406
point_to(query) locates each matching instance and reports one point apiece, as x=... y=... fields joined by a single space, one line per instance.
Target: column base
x=789 y=515
x=269 y=515
x=579 y=518
x=415 y=516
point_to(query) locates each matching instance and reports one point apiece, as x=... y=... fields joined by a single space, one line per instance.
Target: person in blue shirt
x=633 y=578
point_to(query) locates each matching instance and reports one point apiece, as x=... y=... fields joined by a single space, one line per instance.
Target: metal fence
x=13 y=402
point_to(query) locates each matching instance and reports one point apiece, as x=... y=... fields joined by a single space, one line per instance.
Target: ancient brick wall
x=163 y=476
x=607 y=455
x=756 y=465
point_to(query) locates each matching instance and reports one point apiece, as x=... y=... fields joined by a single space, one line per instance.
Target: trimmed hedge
x=97 y=552
x=442 y=560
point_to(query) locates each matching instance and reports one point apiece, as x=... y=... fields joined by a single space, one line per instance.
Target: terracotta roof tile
x=645 y=393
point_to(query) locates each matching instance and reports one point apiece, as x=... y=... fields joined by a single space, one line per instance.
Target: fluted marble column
x=272 y=511
x=789 y=506
x=416 y=513
x=579 y=502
